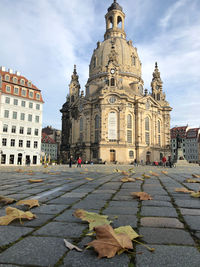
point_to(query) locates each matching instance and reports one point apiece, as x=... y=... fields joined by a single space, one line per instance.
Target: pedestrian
x=135 y=162
x=79 y=161
x=164 y=161
x=170 y=161
x=70 y=161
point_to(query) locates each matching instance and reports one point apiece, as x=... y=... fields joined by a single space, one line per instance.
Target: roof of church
x=115 y=5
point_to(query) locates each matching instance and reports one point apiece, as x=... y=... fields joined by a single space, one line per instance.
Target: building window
x=16 y=90
x=22 y=82
x=131 y=154
x=3 y=159
x=29 y=131
x=158 y=97
x=15 y=80
x=7 y=77
x=12 y=142
x=29 y=84
x=21 y=130
x=29 y=117
x=20 y=143
x=147 y=124
x=158 y=126
x=159 y=140
x=133 y=60
x=7 y=100
x=13 y=130
x=97 y=122
x=81 y=124
x=147 y=138
x=30 y=105
x=11 y=161
x=28 y=143
x=37 y=118
x=112 y=126
x=6 y=113
x=23 y=92
x=38 y=106
x=38 y=96
x=36 y=132
x=15 y=102
x=129 y=136
x=35 y=144
x=4 y=141
x=14 y=115
x=129 y=121
x=8 y=88
x=112 y=82
x=23 y=103
x=30 y=94
x=22 y=116
x=95 y=154
x=5 y=128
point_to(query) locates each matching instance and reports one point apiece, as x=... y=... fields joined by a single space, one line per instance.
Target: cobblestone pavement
x=170 y=222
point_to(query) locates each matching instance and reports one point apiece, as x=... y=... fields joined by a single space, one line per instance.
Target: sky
x=43 y=39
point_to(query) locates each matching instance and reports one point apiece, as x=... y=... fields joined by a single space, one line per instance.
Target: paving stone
x=190 y=212
x=39 y=221
x=192 y=221
x=158 y=211
x=88 y=204
x=192 y=203
x=120 y=210
x=40 y=251
x=161 y=222
x=158 y=203
x=9 y=234
x=77 y=195
x=49 y=209
x=165 y=236
x=168 y=256
x=60 y=229
x=67 y=216
x=122 y=220
x=19 y=196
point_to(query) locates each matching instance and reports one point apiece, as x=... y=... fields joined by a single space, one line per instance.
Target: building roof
x=181 y=131
x=47 y=139
x=192 y=133
x=115 y=5
x=14 y=80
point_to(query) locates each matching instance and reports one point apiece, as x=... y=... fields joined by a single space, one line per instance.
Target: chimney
x=3 y=68
x=10 y=71
x=17 y=73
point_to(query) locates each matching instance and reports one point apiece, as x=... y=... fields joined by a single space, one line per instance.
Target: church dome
x=115 y=5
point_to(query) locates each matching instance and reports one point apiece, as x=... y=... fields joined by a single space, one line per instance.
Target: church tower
x=116 y=120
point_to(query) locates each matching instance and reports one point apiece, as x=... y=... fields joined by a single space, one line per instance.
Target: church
x=115 y=120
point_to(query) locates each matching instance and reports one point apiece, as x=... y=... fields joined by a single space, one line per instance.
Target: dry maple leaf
x=71 y=246
x=154 y=174
x=126 y=230
x=6 y=200
x=183 y=190
x=164 y=172
x=141 y=195
x=108 y=243
x=127 y=179
x=195 y=194
x=192 y=181
x=195 y=176
x=30 y=202
x=146 y=176
x=89 y=179
x=93 y=218
x=139 y=178
x=13 y=214
x=125 y=173
x=35 y=180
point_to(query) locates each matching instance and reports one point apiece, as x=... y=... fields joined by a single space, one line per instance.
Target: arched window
x=81 y=129
x=97 y=126
x=94 y=62
x=131 y=154
x=133 y=60
x=147 y=131
x=112 y=126
x=119 y=22
x=110 y=22
x=158 y=126
x=129 y=129
x=112 y=82
x=159 y=136
x=158 y=97
x=72 y=98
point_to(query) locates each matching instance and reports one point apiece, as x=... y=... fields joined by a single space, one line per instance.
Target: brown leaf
x=71 y=246
x=139 y=178
x=195 y=194
x=35 y=180
x=154 y=174
x=164 y=172
x=192 y=181
x=13 y=214
x=127 y=179
x=141 y=195
x=183 y=190
x=125 y=173
x=195 y=176
x=30 y=202
x=6 y=200
x=108 y=243
x=146 y=176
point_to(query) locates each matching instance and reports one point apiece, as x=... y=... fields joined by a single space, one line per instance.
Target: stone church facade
x=116 y=120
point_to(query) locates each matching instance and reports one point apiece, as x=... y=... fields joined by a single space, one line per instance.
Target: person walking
x=164 y=161
x=170 y=161
x=79 y=161
x=70 y=161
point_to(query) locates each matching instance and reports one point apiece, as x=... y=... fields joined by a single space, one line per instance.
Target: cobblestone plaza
x=170 y=222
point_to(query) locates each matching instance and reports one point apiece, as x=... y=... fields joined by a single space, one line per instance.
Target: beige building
x=116 y=120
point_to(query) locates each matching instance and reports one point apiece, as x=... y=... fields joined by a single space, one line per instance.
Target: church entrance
x=148 y=157
x=112 y=155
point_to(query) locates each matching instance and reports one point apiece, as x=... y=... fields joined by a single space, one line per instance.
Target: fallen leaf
x=13 y=214
x=108 y=243
x=195 y=176
x=117 y=170
x=126 y=230
x=125 y=173
x=6 y=200
x=35 y=181
x=89 y=179
x=93 y=218
x=146 y=176
x=139 y=178
x=164 y=172
x=141 y=195
x=192 y=181
x=71 y=246
x=30 y=202
x=183 y=190
x=195 y=194
x=127 y=179
x=19 y=170
x=154 y=174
